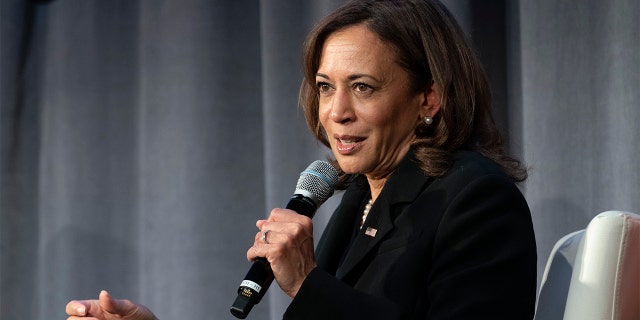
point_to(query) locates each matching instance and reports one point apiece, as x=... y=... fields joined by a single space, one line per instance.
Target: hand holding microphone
x=286 y=240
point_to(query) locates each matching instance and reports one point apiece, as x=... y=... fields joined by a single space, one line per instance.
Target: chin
x=349 y=166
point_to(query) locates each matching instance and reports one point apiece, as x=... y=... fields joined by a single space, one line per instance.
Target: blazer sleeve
x=322 y=296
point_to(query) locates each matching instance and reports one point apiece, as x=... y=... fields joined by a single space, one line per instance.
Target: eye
x=323 y=87
x=361 y=87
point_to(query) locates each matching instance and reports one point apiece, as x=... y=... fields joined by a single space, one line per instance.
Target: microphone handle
x=260 y=275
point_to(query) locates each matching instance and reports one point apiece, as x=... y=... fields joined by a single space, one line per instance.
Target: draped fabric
x=141 y=140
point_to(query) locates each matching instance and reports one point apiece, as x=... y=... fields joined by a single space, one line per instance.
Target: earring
x=428 y=120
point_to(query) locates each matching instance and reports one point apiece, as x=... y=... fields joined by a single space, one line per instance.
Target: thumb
x=113 y=306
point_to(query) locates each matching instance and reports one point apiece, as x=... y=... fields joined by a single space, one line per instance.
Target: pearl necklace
x=365 y=213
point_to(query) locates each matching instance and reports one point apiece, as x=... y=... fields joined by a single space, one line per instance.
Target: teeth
x=343 y=141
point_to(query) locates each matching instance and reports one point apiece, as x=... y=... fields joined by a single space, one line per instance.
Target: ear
x=431 y=104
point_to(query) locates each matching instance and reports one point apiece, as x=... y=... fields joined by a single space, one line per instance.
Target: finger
x=260 y=249
x=279 y=245
x=288 y=218
x=79 y=307
x=280 y=232
x=256 y=251
x=271 y=237
x=258 y=238
x=119 y=307
x=287 y=215
x=75 y=308
x=107 y=303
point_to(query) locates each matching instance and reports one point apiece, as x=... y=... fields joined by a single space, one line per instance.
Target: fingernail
x=81 y=310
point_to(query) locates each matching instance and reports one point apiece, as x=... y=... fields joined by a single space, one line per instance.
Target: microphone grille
x=317 y=181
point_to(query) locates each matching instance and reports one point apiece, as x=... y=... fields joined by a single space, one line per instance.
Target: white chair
x=594 y=273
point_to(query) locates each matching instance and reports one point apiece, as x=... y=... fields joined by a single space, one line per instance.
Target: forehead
x=356 y=47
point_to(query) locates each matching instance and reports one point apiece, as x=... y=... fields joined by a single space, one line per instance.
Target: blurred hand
x=106 y=308
x=289 y=249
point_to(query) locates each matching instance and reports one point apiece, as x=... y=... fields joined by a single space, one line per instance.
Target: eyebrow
x=351 y=77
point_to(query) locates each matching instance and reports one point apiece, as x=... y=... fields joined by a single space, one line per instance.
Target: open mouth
x=348 y=144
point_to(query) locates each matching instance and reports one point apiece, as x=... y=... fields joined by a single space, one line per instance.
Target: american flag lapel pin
x=371 y=232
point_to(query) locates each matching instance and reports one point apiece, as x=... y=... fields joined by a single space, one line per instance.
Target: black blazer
x=456 y=247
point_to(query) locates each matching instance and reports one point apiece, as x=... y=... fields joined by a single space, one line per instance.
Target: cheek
x=397 y=125
x=323 y=116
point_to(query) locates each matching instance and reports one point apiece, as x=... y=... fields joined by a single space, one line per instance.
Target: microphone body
x=315 y=186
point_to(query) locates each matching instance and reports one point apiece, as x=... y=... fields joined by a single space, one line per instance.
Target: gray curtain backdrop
x=141 y=140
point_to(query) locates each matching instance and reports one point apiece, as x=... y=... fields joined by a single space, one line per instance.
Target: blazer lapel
x=372 y=232
x=403 y=186
x=338 y=232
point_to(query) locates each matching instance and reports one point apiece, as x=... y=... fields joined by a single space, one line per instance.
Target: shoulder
x=471 y=167
x=474 y=164
x=476 y=186
x=478 y=199
x=477 y=189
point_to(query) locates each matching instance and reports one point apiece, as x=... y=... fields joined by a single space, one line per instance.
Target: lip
x=346 y=144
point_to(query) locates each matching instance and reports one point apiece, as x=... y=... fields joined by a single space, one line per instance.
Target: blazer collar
x=403 y=186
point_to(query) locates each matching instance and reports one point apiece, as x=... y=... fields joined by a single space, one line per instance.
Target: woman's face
x=365 y=104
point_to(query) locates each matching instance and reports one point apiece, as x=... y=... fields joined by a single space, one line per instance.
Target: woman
x=431 y=225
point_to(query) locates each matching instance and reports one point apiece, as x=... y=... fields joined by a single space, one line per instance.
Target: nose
x=342 y=107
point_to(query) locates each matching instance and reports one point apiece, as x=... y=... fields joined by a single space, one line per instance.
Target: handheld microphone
x=314 y=187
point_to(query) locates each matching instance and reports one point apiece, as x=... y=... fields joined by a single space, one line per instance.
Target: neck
x=376 y=185
x=378 y=178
